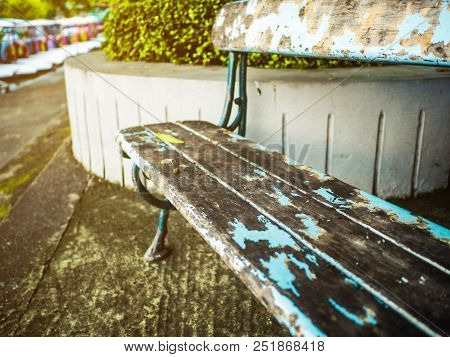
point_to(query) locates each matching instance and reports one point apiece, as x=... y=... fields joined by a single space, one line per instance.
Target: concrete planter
x=383 y=129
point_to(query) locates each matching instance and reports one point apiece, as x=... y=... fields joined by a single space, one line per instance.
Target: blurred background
x=48 y=9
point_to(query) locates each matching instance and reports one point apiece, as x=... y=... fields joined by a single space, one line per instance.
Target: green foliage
x=44 y=9
x=26 y=9
x=178 y=32
x=163 y=31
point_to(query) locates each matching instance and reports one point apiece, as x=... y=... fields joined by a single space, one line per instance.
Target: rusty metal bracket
x=157 y=249
x=240 y=121
x=143 y=192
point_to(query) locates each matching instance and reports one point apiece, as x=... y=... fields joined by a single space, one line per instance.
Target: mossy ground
x=20 y=171
x=97 y=283
x=5 y=208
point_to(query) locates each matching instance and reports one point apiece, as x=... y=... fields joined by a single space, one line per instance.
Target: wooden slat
x=398 y=275
x=403 y=31
x=304 y=290
x=417 y=235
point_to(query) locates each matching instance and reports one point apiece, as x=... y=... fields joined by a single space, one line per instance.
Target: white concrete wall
x=382 y=128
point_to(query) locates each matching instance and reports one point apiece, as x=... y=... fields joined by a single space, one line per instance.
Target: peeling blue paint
x=164 y=148
x=369 y=318
x=404 y=216
x=237 y=136
x=436 y=230
x=259 y=274
x=304 y=42
x=289 y=161
x=148 y=166
x=303 y=266
x=381 y=302
x=257 y=172
x=414 y=22
x=312 y=229
x=442 y=30
x=351 y=281
x=260 y=173
x=312 y=258
x=171 y=132
x=259 y=147
x=347 y=314
x=331 y=197
x=145 y=133
x=248 y=30
x=275 y=236
x=280 y=273
x=308 y=328
x=376 y=203
x=282 y=198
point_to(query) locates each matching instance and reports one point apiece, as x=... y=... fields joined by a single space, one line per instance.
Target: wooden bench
x=324 y=257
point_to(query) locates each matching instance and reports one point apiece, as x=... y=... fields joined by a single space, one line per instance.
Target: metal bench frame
x=158 y=249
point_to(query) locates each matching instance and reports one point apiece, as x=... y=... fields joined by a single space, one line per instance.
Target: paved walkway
x=26 y=113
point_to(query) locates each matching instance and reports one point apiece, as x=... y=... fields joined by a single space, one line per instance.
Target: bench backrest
x=401 y=31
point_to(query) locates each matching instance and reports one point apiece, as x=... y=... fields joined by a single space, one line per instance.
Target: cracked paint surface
x=280 y=272
x=275 y=236
x=311 y=228
x=369 y=317
x=391 y=31
x=404 y=216
x=283 y=269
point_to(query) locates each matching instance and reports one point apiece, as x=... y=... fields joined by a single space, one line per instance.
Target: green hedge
x=178 y=32
x=26 y=9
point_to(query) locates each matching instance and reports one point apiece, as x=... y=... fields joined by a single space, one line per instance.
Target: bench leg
x=157 y=249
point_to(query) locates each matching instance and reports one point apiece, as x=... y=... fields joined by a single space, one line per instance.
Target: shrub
x=178 y=32
x=26 y=9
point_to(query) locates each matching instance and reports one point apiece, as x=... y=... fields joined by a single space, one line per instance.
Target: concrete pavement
x=26 y=113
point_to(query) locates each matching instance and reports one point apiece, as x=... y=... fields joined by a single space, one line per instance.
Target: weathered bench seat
x=324 y=257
